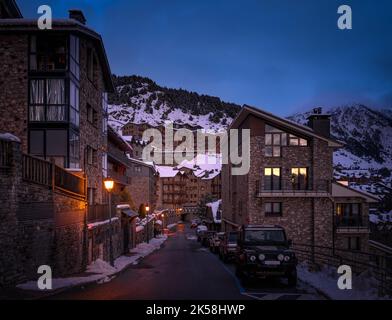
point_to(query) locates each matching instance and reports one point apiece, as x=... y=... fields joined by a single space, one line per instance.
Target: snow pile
x=364 y=286
x=170 y=226
x=215 y=210
x=101 y=270
x=99 y=223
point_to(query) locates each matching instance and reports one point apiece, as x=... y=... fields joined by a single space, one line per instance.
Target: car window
x=264 y=236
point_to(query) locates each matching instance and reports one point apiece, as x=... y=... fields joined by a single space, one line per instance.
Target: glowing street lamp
x=148 y=234
x=109 y=184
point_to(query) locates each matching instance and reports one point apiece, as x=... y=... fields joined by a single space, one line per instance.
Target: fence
x=377 y=265
x=42 y=172
x=99 y=212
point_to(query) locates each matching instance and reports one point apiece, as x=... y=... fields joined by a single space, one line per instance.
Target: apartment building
x=54 y=86
x=290 y=183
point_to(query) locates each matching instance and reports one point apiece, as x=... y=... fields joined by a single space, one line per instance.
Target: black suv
x=264 y=251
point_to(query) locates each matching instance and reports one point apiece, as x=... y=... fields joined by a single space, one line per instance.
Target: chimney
x=77 y=15
x=319 y=122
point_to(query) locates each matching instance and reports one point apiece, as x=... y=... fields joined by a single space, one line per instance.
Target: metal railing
x=5 y=154
x=379 y=266
x=289 y=187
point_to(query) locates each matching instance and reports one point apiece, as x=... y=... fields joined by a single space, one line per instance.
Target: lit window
x=272 y=179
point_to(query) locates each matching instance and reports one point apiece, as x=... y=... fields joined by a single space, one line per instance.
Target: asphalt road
x=182 y=269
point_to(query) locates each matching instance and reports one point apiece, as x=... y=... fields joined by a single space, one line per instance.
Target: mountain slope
x=366 y=133
x=140 y=99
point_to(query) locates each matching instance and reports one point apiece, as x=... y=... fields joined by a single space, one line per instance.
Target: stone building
x=54 y=99
x=187 y=185
x=289 y=182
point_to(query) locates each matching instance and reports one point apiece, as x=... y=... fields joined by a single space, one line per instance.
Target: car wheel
x=292 y=279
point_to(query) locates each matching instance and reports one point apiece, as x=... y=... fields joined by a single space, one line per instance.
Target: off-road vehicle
x=264 y=251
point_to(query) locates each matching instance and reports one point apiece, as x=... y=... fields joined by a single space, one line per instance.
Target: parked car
x=264 y=251
x=206 y=236
x=228 y=246
x=215 y=241
x=200 y=230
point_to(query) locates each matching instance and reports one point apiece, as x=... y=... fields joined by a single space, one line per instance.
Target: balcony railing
x=121 y=178
x=287 y=189
x=43 y=172
x=350 y=224
x=99 y=212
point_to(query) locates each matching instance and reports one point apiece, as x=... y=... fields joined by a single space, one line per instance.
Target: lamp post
x=109 y=184
x=148 y=235
x=163 y=221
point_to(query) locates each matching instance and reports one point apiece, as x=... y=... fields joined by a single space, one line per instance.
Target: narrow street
x=183 y=269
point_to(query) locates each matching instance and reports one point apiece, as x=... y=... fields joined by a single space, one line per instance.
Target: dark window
x=91 y=155
x=91 y=65
x=48 y=53
x=37 y=142
x=56 y=143
x=74 y=104
x=74 y=56
x=299 y=178
x=272 y=179
x=348 y=214
x=353 y=243
x=273 y=208
x=74 y=153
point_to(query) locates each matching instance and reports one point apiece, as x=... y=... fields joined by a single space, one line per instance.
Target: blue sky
x=282 y=56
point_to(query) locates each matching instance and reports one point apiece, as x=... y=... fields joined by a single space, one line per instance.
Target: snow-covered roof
x=166 y=171
x=214 y=209
x=339 y=190
x=9 y=137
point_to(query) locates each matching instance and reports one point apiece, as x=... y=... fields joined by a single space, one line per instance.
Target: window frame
x=272 y=182
x=273 y=212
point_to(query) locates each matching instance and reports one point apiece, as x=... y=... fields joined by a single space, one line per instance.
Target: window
x=74 y=153
x=91 y=115
x=91 y=196
x=273 y=208
x=274 y=139
x=295 y=141
x=91 y=155
x=272 y=179
x=105 y=113
x=299 y=178
x=353 y=243
x=105 y=165
x=74 y=104
x=36 y=142
x=47 y=100
x=348 y=214
x=48 y=53
x=74 y=56
x=91 y=65
x=56 y=142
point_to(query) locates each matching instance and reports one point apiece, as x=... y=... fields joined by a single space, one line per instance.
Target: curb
x=88 y=283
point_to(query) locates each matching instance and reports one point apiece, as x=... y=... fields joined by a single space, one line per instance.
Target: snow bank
x=96 y=224
x=102 y=270
x=364 y=286
x=170 y=226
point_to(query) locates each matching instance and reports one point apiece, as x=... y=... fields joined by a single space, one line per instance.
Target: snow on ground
x=364 y=287
x=96 y=224
x=101 y=271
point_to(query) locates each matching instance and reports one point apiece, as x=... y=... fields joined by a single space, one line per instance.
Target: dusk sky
x=281 y=56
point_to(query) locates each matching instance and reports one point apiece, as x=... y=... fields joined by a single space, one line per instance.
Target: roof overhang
x=283 y=123
x=341 y=191
x=64 y=25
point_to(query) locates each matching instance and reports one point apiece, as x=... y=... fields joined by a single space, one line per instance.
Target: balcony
x=287 y=189
x=352 y=224
x=118 y=177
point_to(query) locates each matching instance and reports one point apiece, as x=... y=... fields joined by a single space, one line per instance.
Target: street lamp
x=163 y=220
x=148 y=235
x=109 y=184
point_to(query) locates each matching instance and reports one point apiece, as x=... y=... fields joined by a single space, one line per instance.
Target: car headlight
x=261 y=257
x=286 y=258
x=280 y=257
x=252 y=258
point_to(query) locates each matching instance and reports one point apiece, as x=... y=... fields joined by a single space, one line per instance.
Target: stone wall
x=39 y=226
x=14 y=85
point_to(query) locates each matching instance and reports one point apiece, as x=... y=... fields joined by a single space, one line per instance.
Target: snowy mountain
x=366 y=132
x=140 y=99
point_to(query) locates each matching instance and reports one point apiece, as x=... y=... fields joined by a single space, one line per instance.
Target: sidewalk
x=98 y=272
